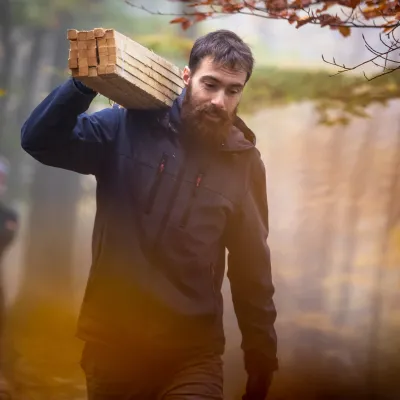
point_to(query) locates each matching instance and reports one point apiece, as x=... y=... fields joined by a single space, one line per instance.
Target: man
x=8 y=227
x=175 y=188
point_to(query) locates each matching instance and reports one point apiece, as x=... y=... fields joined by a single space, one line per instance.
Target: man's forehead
x=209 y=67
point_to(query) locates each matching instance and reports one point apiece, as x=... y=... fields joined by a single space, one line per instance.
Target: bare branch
x=380 y=75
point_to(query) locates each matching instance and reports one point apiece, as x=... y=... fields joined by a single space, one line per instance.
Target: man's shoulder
x=256 y=169
x=253 y=158
x=147 y=119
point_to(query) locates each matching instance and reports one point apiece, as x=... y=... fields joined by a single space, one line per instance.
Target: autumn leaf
x=353 y=3
x=276 y=4
x=327 y=19
x=186 y=24
x=344 y=30
x=303 y=21
x=389 y=26
x=325 y=7
x=232 y=8
x=293 y=18
x=251 y=3
x=179 y=20
x=200 y=17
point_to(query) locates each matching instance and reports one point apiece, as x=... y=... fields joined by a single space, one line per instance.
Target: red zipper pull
x=199 y=179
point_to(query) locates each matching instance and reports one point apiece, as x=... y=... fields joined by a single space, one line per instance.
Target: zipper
x=157 y=182
x=188 y=209
x=171 y=203
x=212 y=271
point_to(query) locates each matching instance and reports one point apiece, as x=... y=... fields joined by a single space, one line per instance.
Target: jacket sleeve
x=249 y=272
x=59 y=133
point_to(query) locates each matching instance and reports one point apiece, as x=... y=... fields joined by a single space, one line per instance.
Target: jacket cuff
x=82 y=87
x=257 y=363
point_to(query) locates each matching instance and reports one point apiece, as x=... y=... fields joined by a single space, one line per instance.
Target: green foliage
x=45 y=13
x=338 y=98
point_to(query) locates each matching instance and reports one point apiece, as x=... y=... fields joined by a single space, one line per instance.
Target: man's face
x=212 y=98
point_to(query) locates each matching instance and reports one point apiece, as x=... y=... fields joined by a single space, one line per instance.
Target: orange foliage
x=378 y=14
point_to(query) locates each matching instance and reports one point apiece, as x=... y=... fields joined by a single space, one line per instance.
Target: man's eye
x=210 y=85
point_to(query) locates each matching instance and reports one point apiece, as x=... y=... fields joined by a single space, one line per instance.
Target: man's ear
x=186 y=76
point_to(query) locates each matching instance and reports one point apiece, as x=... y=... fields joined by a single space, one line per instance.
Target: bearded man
x=176 y=188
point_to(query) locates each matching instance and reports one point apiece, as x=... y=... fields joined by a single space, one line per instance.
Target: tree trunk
x=26 y=101
x=8 y=57
x=53 y=207
x=357 y=183
x=43 y=318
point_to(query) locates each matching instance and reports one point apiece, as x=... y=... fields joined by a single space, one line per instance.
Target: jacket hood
x=240 y=138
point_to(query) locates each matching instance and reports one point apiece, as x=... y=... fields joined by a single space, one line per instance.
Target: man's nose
x=219 y=100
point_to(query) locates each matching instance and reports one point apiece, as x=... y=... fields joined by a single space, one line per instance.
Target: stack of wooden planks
x=123 y=70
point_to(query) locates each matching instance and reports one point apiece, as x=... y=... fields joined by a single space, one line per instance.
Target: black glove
x=260 y=371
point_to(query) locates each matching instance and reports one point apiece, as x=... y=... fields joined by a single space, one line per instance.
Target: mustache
x=212 y=110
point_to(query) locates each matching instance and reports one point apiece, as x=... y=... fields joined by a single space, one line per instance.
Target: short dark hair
x=227 y=49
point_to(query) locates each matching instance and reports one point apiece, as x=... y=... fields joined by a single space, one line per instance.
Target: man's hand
x=257 y=387
x=260 y=373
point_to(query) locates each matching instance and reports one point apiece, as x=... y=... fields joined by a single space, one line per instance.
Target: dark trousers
x=152 y=375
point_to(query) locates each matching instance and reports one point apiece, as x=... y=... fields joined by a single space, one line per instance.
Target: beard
x=201 y=129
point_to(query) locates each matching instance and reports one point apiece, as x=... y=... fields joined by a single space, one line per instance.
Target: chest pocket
x=203 y=202
x=159 y=174
x=192 y=199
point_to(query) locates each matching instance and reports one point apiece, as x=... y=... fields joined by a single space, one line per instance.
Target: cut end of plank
x=72 y=34
x=90 y=35
x=73 y=45
x=101 y=69
x=111 y=69
x=92 y=71
x=92 y=61
x=83 y=70
x=73 y=63
x=109 y=34
x=82 y=35
x=99 y=32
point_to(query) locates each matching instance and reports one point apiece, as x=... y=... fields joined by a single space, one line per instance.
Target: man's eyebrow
x=213 y=78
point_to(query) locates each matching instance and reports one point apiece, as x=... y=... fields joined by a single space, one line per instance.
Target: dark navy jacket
x=166 y=212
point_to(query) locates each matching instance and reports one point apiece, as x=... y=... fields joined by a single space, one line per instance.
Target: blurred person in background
x=175 y=189
x=8 y=228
